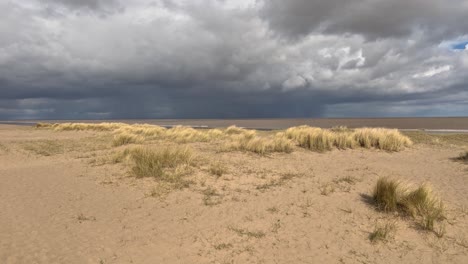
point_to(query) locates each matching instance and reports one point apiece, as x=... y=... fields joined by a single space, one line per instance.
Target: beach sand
x=60 y=202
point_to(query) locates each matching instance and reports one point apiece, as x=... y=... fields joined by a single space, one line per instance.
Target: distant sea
x=410 y=123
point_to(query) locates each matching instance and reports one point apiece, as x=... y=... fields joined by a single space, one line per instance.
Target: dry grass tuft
x=420 y=203
x=381 y=138
x=169 y=165
x=236 y=130
x=388 y=194
x=424 y=204
x=125 y=138
x=217 y=169
x=260 y=145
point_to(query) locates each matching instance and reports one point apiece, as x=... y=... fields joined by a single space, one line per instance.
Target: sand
x=61 y=203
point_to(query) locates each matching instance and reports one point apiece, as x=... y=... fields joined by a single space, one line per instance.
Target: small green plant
x=382 y=232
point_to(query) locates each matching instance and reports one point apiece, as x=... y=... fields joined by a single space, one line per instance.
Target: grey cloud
x=371 y=18
x=214 y=59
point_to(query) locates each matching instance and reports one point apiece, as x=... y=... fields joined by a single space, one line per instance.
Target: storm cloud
x=104 y=59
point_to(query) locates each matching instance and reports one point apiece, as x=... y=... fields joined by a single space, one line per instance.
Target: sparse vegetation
x=81 y=218
x=44 y=147
x=327 y=189
x=217 y=169
x=245 y=232
x=420 y=203
x=211 y=197
x=382 y=232
x=165 y=164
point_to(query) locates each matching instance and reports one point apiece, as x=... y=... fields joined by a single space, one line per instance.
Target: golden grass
x=421 y=203
x=163 y=164
x=381 y=138
x=126 y=138
x=260 y=145
x=312 y=138
x=388 y=194
x=318 y=139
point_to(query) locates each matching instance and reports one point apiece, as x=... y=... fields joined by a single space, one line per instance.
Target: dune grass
x=163 y=164
x=249 y=142
x=421 y=203
x=126 y=138
x=312 y=138
x=318 y=139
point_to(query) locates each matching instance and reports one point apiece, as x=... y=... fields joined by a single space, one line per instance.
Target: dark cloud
x=214 y=59
x=371 y=18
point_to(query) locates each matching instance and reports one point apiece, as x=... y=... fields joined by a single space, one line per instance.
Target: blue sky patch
x=460 y=46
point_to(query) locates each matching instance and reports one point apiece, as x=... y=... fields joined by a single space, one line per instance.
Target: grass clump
x=423 y=203
x=125 y=138
x=165 y=164
x=381 y=138
x=382 y=232
x=217 y=169
x=387 y=194
x=420 y=203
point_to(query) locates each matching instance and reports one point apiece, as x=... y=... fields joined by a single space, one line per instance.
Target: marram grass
x=319 y=139
x=421 y=203
x=312 y=138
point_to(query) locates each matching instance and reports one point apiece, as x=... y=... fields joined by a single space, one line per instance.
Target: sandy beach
x=65 y=199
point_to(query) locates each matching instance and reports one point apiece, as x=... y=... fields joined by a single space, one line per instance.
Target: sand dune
x=64 y=198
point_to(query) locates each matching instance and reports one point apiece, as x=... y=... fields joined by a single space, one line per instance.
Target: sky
x=111 y=59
